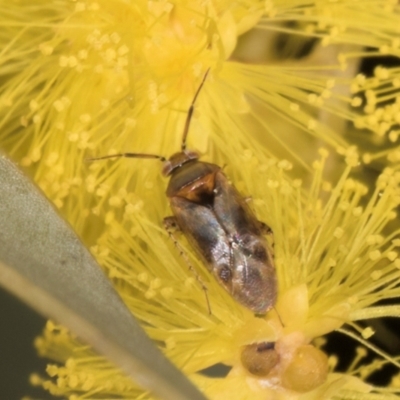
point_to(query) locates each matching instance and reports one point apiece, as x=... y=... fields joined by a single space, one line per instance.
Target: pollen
x=115 y=201
x=150 y=294
x=167 y=292
x=338 y=233
x=376 y=275
x=285 y=165
x=367 y=333
x=143 y=277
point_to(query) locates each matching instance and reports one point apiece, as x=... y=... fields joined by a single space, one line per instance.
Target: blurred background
x=19 y=325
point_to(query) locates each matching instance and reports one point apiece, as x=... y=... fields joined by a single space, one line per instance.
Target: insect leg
x=171 y=227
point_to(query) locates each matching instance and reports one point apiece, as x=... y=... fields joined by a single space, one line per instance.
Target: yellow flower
x=333 y=263
x=87 y=79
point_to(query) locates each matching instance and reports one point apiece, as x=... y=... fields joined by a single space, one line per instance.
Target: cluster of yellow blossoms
x=90 y=78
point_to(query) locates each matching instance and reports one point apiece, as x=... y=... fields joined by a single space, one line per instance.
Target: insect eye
x=225 y=274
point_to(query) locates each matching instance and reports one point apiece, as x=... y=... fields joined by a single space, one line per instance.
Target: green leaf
x=44 y=263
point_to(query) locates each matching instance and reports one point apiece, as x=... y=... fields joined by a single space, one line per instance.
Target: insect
x=218 y=223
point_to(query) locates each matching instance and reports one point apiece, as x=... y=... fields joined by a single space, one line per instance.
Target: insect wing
x=203 y=231
x=231 y=209
x=254 y=282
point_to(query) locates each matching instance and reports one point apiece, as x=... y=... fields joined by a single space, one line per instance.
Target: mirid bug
x=218 y=223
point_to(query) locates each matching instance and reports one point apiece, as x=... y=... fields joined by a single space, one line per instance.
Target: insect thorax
x=193 y=180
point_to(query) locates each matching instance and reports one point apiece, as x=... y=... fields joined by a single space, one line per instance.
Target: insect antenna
x=128 y=155
x=190 y=113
